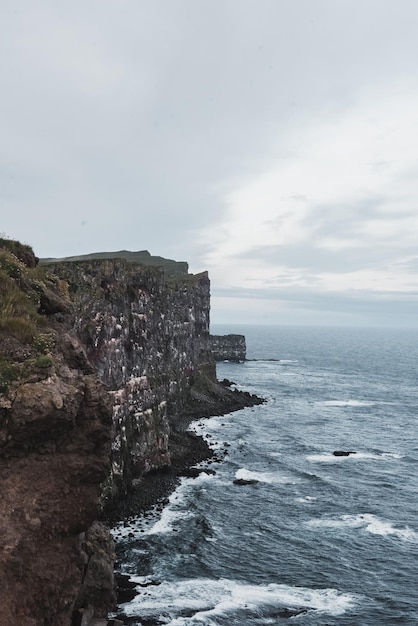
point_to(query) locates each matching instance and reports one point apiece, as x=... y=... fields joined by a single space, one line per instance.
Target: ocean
x=308 y=536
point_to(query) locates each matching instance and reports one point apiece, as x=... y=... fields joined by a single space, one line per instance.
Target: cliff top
x=142 y=257
x=28 y=295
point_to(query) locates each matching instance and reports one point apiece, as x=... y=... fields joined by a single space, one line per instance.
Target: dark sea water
x=335 y=538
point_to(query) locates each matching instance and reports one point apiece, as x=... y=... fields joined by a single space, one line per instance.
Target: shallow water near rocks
x=314 y=538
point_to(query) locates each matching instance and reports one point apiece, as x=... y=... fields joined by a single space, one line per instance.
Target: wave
x=306 y=499
x=370 y=523
x=326 y=457
x=262 y=477
x=284 y=361
x=167 y=521
x=351 y=403
x=202 y=599
x=160 y=520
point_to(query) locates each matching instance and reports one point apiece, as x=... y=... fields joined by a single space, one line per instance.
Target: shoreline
x=152 y=491
x=186 y=448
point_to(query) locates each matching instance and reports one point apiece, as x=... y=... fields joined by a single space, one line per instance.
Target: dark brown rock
x=98 y=588
x=245 y=481
x=343 y=452
x=228 y=347
x=54 y=455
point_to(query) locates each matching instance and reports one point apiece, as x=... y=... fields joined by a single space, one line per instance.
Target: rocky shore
x=187 y=449
x=151 y=491
x=103 y=365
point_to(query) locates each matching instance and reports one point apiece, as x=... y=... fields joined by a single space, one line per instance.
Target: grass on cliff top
x=141 y=257
x=19 y=299
x=23 y=333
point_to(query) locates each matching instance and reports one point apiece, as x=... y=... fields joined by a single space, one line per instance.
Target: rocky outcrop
x=228 y=347
x=147 y=338
x=98 y=591
x=55 y=428
x=343 y=452
x=102 y=364
x=141 y=257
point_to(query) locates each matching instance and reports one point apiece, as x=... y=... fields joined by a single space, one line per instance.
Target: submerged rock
x=245 y=481
x=343 y=452
x=287 y=613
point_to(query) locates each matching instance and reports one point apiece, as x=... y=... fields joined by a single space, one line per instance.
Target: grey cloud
x=389 y=308
x=122 y=121
x=310 y=259
x=410 y=265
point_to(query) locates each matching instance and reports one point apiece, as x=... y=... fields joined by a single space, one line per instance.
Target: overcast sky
x=272 y=142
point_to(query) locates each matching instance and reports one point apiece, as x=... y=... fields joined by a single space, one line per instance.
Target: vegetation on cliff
x=141 y=257
x=103 y=363
x=27 y=294
x=55 y=426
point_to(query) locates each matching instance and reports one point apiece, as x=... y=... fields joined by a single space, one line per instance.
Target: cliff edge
x=103 y=363
x=55 y=434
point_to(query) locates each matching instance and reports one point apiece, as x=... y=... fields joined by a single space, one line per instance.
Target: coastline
x=152 y=490
x=186 y=448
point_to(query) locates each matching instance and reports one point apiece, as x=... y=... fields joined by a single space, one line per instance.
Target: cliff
x=142 y=257
x=55 y=427
x=147 y=338
x=228 y=347
x=103 y=361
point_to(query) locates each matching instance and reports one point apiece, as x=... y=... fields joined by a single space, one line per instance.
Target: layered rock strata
x=55 y=430
x=102 y=364
x=228 y=347
x=147 y=338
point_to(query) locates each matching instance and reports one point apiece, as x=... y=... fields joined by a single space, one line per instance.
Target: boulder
x=245 y=481
x=343 y=452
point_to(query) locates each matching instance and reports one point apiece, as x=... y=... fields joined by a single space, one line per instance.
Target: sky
x=273 y=143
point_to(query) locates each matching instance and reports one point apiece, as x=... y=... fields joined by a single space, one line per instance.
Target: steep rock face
x=53 y=462
x=147 y=337
x=141 y=257
x=228 y=347
x=55 y=427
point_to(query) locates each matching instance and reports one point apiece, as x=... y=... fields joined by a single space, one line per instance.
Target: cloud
x=273 y=143
x=327 y=214
x=310 y=306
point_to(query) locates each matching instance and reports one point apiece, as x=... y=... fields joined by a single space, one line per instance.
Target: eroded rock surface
x=228 y=347
x=54 y=458
x=147 y=337
x=55 y=433
x=103 y=363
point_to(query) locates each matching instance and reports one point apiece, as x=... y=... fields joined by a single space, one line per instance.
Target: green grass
x=22 y=328
x=142 y=257
x=8 y=373
x=44 y=360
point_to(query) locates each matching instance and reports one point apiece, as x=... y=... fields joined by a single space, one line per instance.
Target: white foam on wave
x=376 y=455
x=209 y=598
x=352 y=403
x=168 y=520
x=306 y=499
x=263 y=477
x=176 y=509
x=368 y=522
x=391 y=455
x=135 y=527
x=204 y=429
x=326 y=457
